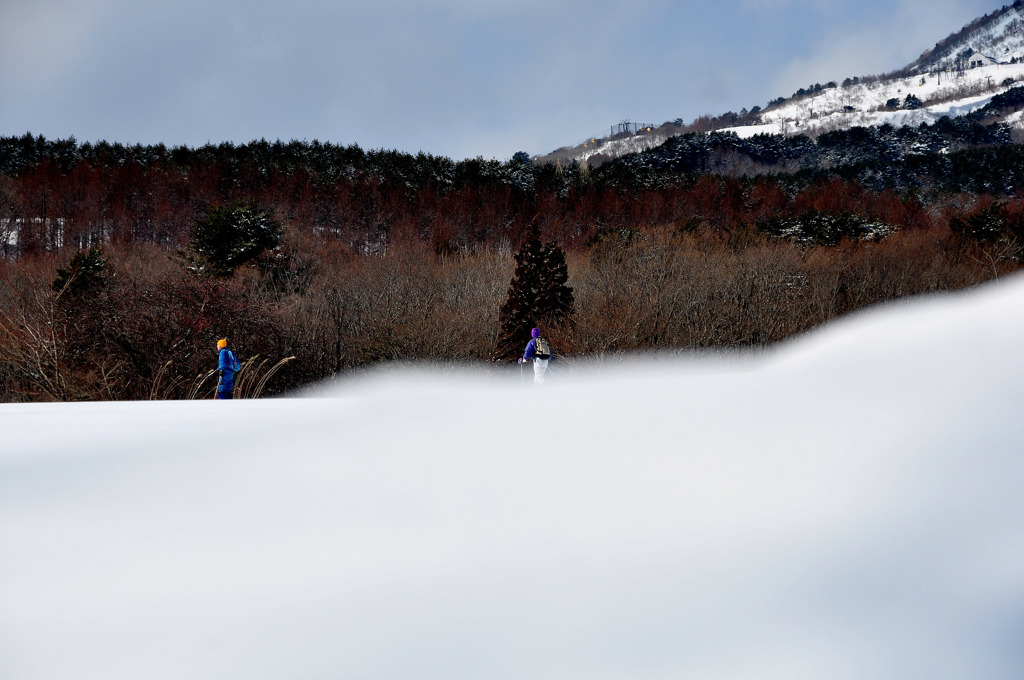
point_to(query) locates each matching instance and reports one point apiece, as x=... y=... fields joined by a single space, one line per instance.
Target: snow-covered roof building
x=978 y=59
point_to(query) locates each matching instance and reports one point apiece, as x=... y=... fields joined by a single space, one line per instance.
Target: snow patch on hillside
x=944 y=89
x=614 y=148
x=1001 y=38
x=861 y=105
x=945 y=94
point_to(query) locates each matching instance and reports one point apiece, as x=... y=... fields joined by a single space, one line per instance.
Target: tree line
x=122 y=265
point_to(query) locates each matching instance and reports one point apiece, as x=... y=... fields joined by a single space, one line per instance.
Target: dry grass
x=151 y=334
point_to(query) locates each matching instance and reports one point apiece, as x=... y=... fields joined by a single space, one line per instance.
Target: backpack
x=541 y=349
x=235 y=366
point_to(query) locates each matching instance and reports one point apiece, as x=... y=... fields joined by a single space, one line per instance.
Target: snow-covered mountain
x=995 y=37
x=909 y=100
x=962 y=73
x=846 y=507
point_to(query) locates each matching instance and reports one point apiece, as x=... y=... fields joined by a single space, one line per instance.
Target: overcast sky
x=461 y=78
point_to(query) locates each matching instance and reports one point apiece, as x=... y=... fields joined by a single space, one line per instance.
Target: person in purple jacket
x=539 y=351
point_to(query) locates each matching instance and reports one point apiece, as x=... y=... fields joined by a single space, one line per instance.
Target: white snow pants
x=540 y=367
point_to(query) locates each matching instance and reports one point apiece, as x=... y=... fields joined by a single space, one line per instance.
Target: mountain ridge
x=959 y=75
x=998 y=35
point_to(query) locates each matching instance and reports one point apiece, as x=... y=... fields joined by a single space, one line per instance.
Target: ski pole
x=522 y=380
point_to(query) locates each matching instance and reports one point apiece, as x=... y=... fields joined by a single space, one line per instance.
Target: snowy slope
x=939 y=82
x=999 y=35
x=942 y=81
x=596 y=151
x=952 y=94
x=613 y=148
x=943 y=94
x=847 y=508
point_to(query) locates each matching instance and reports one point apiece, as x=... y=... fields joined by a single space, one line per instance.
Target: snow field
x=614 y=148
x=846 y=507
x=825 y=111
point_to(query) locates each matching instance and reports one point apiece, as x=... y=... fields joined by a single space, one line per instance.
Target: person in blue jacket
x=227 y=366
x=539 y=351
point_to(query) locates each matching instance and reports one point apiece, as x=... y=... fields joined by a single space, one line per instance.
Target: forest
x=116 y=280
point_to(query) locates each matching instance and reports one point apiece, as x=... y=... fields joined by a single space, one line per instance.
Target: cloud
x=382 y=74
x=891 y=39
x=775 y=5
x=41 y=42
x=456 y=77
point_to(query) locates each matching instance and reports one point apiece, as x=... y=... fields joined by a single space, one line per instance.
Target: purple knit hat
x=535 y=332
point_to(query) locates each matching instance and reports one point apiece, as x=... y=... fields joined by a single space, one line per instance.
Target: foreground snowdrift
x=848 y=508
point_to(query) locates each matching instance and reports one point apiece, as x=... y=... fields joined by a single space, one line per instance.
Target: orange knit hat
x=222 y=343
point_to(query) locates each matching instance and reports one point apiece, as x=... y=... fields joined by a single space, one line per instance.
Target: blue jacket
x=226 y=364
x=531 y=350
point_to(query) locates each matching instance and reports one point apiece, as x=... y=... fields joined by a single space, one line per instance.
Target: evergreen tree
x=228 y=237
x=85 y=271
x=912 y=102
x=538 y=295
x=81 y=323
x=984 y=226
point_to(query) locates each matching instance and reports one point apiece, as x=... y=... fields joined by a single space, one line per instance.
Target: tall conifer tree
x=539 y=295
